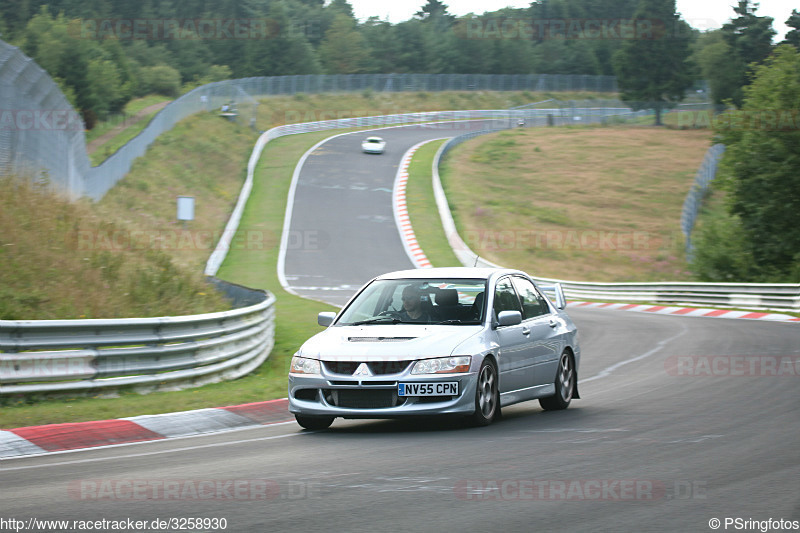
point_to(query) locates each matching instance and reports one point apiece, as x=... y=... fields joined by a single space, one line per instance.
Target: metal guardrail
x=772 y=296
x=769 y=296
x=47 y=356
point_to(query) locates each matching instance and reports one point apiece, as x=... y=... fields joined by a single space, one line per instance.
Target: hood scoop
x=380 y=339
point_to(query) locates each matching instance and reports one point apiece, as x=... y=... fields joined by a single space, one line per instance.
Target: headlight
x=442 y=365
x=301 y=365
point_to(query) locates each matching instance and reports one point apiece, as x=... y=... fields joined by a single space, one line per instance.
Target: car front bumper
x=377 y=397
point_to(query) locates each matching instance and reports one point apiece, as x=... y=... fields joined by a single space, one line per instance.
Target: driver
x=412 y=306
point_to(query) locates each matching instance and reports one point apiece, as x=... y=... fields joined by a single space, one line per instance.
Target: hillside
x=577 y=203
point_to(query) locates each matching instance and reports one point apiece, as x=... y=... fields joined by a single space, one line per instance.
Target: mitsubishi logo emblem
x=362 y=370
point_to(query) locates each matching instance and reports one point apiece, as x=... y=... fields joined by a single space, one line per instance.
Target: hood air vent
x=380 y=339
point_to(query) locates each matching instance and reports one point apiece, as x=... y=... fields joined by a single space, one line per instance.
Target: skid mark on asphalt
x=661 y=344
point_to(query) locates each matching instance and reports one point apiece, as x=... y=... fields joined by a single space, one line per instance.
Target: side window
x=505 y=297
x=533 y=303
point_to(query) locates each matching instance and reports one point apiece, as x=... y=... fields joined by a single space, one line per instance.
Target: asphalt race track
x=342 y=231
x=682 y=420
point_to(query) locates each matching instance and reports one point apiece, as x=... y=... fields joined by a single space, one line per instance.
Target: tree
x=750 y=40
x=438 y=40
x=761 y=166
x=434 y=8
x=286 y=51
x=713 y=57
x=95 y=77
x=793 y=35
x=105 y=86
x=410 y=46
x=14 y=15
x=383 y=45
x=343 y=50
x=652 y=68
x=342 y=7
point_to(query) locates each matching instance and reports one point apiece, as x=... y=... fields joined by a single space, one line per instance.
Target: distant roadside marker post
x=185 y=209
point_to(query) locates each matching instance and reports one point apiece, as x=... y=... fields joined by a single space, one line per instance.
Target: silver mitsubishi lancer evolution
x=440 y=341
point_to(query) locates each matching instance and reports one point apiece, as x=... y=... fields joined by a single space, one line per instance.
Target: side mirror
x=325 y=319
x=509 y=318
x=561 y=301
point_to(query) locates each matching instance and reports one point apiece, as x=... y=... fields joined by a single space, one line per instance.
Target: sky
x=700 y=14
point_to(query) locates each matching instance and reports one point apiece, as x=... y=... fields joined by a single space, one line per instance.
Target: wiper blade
x=458 y=321
x=377 y=320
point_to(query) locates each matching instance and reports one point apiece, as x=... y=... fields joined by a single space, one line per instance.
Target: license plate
x=449 y=388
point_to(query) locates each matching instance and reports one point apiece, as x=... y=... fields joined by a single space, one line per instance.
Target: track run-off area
x=683 y=420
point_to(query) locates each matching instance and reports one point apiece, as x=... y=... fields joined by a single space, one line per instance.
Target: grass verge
x=60 y=261
x=252 y=264
x=422 y=208
x=579 y=203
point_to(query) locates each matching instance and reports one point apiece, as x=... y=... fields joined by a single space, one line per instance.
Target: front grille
x=363 y=399
x=388 y=367
x=378 y=368
x=343 y=367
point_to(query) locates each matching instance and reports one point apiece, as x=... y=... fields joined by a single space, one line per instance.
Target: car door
x=515 y=353
x=537 y=317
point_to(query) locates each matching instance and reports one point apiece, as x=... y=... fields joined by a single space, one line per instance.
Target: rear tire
x=564 y=383
x=314 y=422
x=487 y=395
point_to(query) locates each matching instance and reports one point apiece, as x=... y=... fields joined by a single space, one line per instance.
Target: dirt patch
x=107 y=136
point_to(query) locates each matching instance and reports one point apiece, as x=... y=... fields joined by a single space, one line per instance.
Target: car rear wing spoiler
x=556 y=294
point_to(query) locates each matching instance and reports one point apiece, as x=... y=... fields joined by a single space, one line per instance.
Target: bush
x=160 y=79
x=721 y=252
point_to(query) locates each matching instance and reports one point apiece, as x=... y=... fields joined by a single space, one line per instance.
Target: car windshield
x=418 y=301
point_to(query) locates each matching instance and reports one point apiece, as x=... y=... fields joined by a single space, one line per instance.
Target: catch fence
x=42 y=136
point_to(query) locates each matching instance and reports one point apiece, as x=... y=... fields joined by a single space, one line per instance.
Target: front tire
x=314 y=422
x=487 y=395
x=564 y=383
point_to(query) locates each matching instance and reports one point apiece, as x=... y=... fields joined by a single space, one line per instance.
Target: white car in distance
x=373 y=145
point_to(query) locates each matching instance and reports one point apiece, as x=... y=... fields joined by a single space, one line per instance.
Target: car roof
x=449 y=272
